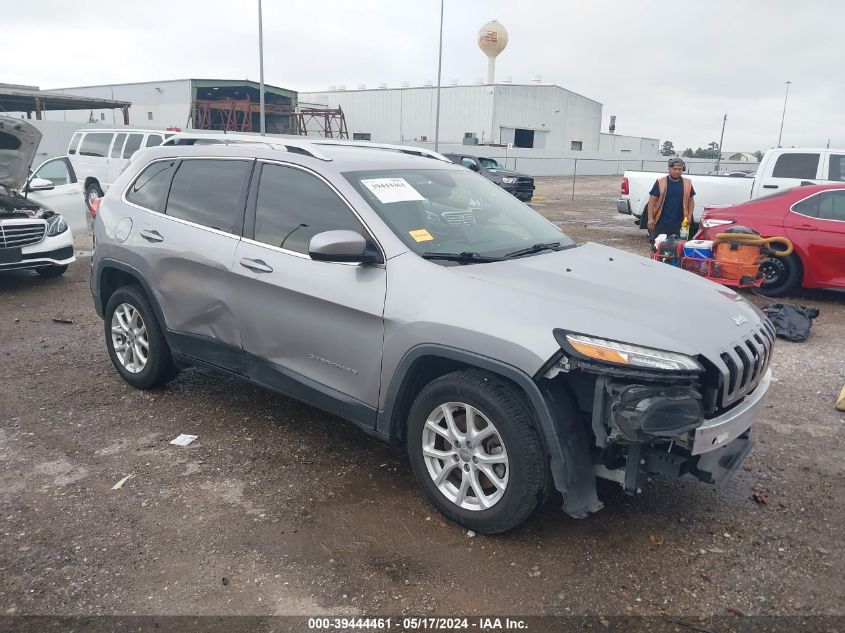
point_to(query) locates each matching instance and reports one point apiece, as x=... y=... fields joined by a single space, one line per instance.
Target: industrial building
x=533 y=115
x=209 y=104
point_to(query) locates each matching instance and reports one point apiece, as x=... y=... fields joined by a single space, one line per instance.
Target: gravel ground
x=279 y=508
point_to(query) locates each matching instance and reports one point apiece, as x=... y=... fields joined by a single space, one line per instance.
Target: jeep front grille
x=743 y=365
x=21 y=233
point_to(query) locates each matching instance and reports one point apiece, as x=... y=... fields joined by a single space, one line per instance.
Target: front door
x=817 y=226
x=67 y=196
x=309 y=328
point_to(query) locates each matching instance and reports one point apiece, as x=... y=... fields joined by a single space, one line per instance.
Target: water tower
x=492 y=39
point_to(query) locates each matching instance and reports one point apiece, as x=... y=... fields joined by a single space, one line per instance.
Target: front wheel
x=475 y=451
x=781 y=275
x=92 y=193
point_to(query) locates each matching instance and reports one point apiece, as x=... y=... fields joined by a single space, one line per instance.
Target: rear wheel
x=135 y=341
x=781 y=275
x=51 y=271
x=475 y=451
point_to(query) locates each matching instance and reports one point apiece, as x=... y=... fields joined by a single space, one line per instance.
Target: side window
x=153 y=140
x=469 y=163
x=293 y=206
x=804 y=166
x=117 y=146
x=133 y=144
x=95 y=144
x=837 y=168
x=210 y=192
x=74 y=143
x=55 y=171
x=150 y=187
x=832 y=205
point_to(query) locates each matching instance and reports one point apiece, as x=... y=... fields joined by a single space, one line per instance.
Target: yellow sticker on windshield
x=421 y=235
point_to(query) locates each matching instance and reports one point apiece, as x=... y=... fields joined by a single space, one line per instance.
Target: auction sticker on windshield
x=421 y=235
x=389 y=190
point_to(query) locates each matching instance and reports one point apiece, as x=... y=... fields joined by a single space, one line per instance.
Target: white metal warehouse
x=541 y=116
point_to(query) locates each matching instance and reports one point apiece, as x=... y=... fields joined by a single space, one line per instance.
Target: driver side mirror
x=473 y=167
x=342 y=246
x=39 y=184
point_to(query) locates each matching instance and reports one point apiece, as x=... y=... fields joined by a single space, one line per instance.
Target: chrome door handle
x=152 y=236
x=256 y=265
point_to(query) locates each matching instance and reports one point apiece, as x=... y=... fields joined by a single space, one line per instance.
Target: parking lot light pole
x=439 y=67
x=783 y=116
x=721 y=139
x=261 y=68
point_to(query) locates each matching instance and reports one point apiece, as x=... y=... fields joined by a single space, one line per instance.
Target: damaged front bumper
x=659 y=434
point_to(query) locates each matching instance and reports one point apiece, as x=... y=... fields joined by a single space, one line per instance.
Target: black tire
x=527 y=468
x=159 y=368
x=92 y=190
x=782 y=275
x=51 y=271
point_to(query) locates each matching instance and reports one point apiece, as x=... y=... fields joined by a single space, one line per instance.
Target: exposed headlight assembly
x=56 y=225
x=507 y=180
x=625 y=354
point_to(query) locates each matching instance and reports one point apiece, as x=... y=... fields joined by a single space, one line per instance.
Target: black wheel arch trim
x=97 y=273
x=565 y=440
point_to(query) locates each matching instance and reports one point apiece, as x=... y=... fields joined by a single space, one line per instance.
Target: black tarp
x=791 y=322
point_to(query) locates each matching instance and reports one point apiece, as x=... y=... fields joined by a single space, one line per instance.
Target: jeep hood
x=18 y=144
x=601 y=291
x=506 y=172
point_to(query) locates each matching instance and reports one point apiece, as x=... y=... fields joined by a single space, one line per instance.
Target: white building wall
x=619 y=143
x=557 y=116
x=168 y=101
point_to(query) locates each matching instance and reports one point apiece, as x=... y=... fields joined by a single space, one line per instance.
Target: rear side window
x=95 y=144
x=153 y=140
x=150 y=187
x=803 y=166
x=210 y=193
x=133 y=144
x=837 y=168
x=832 y=206
x=74 y=143
x=293 y=206
x=117 y=147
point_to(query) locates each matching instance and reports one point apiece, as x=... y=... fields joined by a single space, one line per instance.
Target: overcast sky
x=668 y=70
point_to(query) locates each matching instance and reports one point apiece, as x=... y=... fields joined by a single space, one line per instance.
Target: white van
x=99 y=156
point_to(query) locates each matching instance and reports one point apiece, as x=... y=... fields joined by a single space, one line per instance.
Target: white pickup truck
x=780 y=169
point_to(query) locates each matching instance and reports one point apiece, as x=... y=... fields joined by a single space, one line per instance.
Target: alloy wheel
x=129 y=338
x=465 y=456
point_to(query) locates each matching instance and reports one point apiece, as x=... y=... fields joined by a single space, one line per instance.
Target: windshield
x=454 y=211
x=489 y=163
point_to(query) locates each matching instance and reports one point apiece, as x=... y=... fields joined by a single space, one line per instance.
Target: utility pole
x=721 y=138
x=439 y=68
x=784 y=112
x=261 y=68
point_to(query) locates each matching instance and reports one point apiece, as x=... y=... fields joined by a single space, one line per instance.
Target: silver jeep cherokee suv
x=434 y=310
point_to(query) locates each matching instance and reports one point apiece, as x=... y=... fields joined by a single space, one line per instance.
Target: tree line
x=711 y=151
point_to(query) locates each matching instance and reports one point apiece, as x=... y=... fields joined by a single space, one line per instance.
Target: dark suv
x=520 y=185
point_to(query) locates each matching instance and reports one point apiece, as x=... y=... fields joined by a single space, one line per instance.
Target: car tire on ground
x=475 y=451
x=136 y=344
x=782 y=275
x=92 y=192
x=51 y=271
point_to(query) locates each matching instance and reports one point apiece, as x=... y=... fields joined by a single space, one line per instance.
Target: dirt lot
x=279 y=508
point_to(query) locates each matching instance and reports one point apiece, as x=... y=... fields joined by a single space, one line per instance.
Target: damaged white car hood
x=18 y=143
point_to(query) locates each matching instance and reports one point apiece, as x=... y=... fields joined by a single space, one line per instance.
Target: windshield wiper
x=536 y=248
x=469 y=257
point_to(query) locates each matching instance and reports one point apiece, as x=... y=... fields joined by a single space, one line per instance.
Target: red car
x=813 y=217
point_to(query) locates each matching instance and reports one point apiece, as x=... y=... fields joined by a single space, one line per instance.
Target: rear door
x=792 y=169
x=309 y=328
x=816 y=225
x=187 y=240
